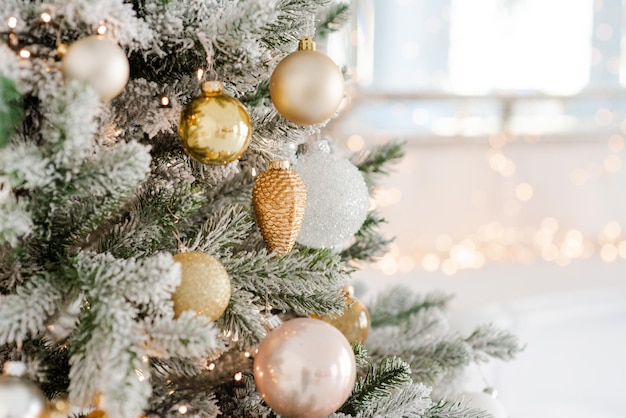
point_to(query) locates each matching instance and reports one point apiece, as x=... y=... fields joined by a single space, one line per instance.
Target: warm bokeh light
x=524 y=192
x=431 y=262
x=355 y=143
x=608 y=253
x=616 y=143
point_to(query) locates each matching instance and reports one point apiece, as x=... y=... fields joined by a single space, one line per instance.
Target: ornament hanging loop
x=310 y=25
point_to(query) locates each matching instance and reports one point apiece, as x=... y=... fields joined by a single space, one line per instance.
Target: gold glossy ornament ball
x=279 y=200
x=204 y=287
x=214 y=128
x=306 y=87
x=354 y=323
x=99 y=62
x=21 y=398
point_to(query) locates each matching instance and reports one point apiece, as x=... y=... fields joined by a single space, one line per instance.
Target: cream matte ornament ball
x=337 y=199
x=306 y=87
x=205 y=285
x=100 y=63
x=305 y=368
x=21 y=398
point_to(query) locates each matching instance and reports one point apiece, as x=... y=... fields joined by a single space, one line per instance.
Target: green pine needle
x=378 y=383
x=11 y=110
x=375 y=162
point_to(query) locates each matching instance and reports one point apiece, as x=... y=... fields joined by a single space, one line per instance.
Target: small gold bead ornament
x=214 y=127
x=279 y=199
x=306 y=87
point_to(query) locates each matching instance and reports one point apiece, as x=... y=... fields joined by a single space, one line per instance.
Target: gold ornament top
x=306 y=44
x=279 y=164
x=212 y=87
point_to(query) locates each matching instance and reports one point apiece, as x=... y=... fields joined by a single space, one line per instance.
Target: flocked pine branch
x=418 y=329
x=331 y=19
x=148 y=227
x=98 y=194
x=369 y=244
x=379 y=381
x=308 y=281
x=487 y=342
x=395 y=305
x=410 y=400
x=15 y=220
x=20 y=318
x=223 y=230
x=374 y=163
x=452 y=409
x=167 y=399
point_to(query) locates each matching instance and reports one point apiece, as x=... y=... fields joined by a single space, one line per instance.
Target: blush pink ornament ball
x=305 y=368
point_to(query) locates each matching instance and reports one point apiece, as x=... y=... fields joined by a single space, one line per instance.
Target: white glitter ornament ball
x=337 y=199
x=305 y=368
x=99 y=62
x=485 y=402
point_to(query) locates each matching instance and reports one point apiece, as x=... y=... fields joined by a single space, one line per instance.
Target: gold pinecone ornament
x=279 y=199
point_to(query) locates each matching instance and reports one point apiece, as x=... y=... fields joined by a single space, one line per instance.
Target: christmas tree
x=149 y=219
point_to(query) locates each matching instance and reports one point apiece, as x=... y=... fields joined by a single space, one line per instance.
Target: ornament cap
x=322 y=145
x=272 y=322
x=279 y=164
x=306 y=44
x=348 y=291
x=212 y=87
x=62 y=49
x=491 y=392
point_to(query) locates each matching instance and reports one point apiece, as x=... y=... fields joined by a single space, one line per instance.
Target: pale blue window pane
x=541 y=45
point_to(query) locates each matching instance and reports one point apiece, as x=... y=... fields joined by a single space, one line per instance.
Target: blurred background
x=512 y=195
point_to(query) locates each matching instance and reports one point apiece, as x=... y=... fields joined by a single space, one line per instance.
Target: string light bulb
x=165 y=101
x=45 y=17
x=200 y=73
x=102 y=29
x=12 y=22
x=238 y=376
x=183 y=410
x=24 y=53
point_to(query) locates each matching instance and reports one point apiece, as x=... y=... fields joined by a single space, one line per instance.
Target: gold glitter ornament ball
x=279 y=200
x=306 y=87
x=99 y=62
x=214 y=128
x=204 y=287
x=354 y=322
